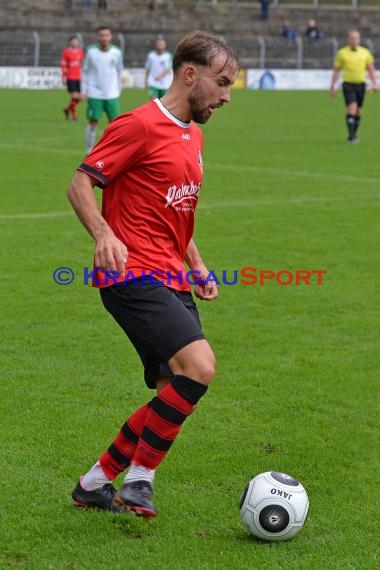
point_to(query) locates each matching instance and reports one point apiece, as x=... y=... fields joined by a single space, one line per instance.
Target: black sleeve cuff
x=101 y=180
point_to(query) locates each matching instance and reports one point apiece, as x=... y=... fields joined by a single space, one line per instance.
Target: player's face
x=354 y=39
x=104 y=38
x=160 y=46
x=212 y=89
x=74 y=44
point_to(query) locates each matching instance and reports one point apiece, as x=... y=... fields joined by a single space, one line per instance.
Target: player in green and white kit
x=159 y=74
x=101 y=81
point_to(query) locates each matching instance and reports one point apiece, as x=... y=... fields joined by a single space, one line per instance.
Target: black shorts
x=158 y=321
x=354 y=93
x=73 y=85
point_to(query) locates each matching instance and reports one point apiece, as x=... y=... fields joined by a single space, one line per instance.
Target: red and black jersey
x=149 y=165
x=71 y=63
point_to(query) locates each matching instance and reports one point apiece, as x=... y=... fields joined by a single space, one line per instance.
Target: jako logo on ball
x=274 y=506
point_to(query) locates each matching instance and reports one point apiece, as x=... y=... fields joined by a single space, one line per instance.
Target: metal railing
x=33 y=49
x=300 y=54
x=355 y=4
x=36 y=49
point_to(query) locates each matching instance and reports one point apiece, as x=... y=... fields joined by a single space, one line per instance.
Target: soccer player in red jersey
x=71 y=68
x=149 y=164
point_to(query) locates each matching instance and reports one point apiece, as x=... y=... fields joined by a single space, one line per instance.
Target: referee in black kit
x=354 y=60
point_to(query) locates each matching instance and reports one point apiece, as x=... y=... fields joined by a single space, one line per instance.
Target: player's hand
x=110 y=253
x=333 y=92
x=205 y=291
x=374 y=87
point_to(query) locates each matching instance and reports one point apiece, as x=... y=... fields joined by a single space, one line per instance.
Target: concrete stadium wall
x=139 y=24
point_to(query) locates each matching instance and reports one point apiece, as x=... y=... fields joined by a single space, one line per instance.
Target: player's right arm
x=120 y=68
x=147 y=69
x=85 y=72
x=64 y=67
x=338 y=65
x=334 y=80
x=110 y=253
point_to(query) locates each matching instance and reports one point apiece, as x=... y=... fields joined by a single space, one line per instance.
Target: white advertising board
x=50 y=77
x=289 y=78
x=30 y=77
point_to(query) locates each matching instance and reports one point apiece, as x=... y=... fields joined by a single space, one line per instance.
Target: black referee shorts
x=73 y=85
x=158 y=321
x=354 y=93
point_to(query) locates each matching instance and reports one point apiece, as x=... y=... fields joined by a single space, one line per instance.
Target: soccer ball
x=274 y=506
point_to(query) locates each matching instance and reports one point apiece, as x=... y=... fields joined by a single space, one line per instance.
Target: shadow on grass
x=246 y=538
x=133 y=527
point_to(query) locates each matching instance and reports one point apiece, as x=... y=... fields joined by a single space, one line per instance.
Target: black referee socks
x=357 y=123
x=351 y=126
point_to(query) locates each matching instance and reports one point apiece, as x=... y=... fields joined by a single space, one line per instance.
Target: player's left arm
x=147 y=69
x=120 y=69
x=205 y=291
x=372 y=75
x=166 y=71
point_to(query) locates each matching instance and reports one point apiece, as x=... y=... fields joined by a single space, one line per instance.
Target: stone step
x=139 y=26
x=49 y=14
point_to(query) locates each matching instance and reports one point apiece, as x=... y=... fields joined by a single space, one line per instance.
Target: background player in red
x=149 y=164
x=71 y=69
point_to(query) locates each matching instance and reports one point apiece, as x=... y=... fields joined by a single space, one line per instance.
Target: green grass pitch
x=296 y=384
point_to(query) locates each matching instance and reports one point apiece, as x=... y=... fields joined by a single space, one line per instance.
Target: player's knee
x=207 y=375
x=204 y=370
x=201 y=370
x=196 y=361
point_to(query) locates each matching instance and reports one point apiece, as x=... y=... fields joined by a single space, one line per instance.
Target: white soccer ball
x=274 y=506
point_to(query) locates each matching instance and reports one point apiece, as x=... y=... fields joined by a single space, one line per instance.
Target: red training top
x=150 y=166
x=71 y=63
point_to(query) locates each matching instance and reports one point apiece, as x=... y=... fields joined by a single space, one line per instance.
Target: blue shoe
x=136 y=497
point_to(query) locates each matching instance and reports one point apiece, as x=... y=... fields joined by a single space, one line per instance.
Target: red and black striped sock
x=73 y=105
x=163 y=422
x=118 y=456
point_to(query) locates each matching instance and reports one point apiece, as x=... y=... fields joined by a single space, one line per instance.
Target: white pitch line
x=253 y=203
x=233 y=167
x=290 y=172
x=39 y=215
x=224 y=205
x=33 y=148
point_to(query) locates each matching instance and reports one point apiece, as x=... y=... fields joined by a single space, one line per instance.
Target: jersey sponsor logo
x=99 y=164
x=186 y=136
x=178 y=194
